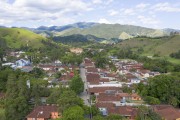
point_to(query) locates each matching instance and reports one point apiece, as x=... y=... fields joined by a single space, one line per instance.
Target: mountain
x=17 y=37
x=77 y=38
x=2 y=27
x=169 y=30
x=81 y=25
x=106 y=31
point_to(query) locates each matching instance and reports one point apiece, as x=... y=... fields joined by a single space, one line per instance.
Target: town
x=89 y=60
x=109 y=92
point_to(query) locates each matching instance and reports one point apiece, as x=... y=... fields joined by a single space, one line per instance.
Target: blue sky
x=34 y=13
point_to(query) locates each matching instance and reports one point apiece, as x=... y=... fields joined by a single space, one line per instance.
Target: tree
x=114 y=117
x=35 y=93
x=37 y=72
x=152 y=100
x=68 y=99
x=98 y=117
x=16 y=98
x=162 y=87
x=11 y=95
x=77 y=84
x=58 y=75
x=73 y=113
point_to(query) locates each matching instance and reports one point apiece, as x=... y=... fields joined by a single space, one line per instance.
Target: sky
x=34 y=13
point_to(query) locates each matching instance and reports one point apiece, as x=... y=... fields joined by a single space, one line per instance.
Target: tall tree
x=68 y=99
x=73 y=113
x=77 y=84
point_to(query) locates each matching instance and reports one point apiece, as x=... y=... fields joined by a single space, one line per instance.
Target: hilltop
x=17 y=37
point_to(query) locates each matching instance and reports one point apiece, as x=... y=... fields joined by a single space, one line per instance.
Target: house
x=97 y=90
x=91 y=70
x=110 y=108
x=128 y=96
x=167 y=112
x=108 y=97
x=128 y=112
x=44 y=112
x=20 y=63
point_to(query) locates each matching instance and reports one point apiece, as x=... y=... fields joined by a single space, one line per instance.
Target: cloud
x=97 y=1
x=41 y=10
x=109 y=1
x=142 y=5
x=103 y=20
x=129 y=11
x=166 y=7
x=113 y=12
x=147 y=20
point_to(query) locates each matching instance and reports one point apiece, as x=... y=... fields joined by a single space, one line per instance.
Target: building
x=20 y=63
x=167 y=112
x=44 y=112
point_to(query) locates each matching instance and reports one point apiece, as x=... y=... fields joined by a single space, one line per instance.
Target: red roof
x=105 y=97
x=42 y=111
x=87 y=60
x=167 y=111
x=92 y=69
x=92 y=76
x=123 y=111
x=102 y=89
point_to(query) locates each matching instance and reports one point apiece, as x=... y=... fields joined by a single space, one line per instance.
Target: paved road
x=84 y=94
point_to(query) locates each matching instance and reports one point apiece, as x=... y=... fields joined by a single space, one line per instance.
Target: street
x=84 y=95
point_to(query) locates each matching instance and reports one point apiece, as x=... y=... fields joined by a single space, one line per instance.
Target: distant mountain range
x=106 y=31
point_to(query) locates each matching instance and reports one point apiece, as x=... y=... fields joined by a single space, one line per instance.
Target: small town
x=89 y=60
x=109 y=92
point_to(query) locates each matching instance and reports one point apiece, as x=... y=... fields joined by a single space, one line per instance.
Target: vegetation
x=17 y=37
x=145 y=113
x=163 y=88
x=175 y=55
x=76 y=84
x=73 y=113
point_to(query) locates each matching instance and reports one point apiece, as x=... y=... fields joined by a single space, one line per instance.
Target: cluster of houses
x=106 y=88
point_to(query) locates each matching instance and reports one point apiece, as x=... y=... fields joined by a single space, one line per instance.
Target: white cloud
x=147 y=20
x=109 y=1
x=103 y=20
x=166 y=7
x=97 y=1
x=41 y=10
x=142 y=5
x=113 y=12
x=129 y=11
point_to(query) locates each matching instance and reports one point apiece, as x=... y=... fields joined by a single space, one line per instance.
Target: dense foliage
x=76 y=84
x=163 y=88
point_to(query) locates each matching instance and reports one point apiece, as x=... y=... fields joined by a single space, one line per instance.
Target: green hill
x=17 y=37
x=150 y=46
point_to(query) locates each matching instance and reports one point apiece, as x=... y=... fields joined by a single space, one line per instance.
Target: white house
x=20 y=63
